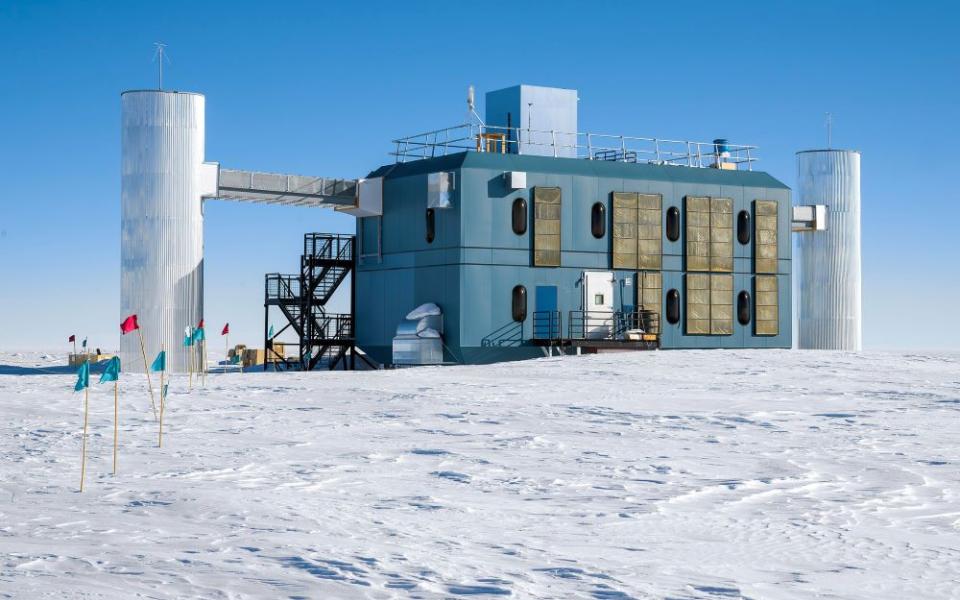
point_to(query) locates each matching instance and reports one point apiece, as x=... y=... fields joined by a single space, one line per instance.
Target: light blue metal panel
x=785 y=290
x=741 y=333
x=672 y=262
x=671 y=334
x=586 y=193
x=540 y=109
x=784 y=224
x=486 y=213
x=741 y=265
x=741 y=201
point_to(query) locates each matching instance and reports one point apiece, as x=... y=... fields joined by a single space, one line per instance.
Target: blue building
x=533 y=238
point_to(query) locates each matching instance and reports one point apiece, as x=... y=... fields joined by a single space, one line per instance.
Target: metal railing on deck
x=471 y=137
x=282 y=287
x=548 y=325
x=594 y=325
x=328 y=245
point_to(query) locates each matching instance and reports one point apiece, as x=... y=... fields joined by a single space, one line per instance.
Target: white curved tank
x=161 y=221
x=829 y=315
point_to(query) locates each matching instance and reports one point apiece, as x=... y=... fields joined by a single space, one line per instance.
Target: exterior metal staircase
x=326 y=339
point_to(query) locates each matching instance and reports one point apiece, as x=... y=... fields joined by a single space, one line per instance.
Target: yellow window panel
x=649 y=294
x=546 y=226
x=721 y=235
x=697 y=210
x=765 y=236
x=649 y=231
x=698 y=304
x=625 y=230
x=721 y=304
x=766 y=305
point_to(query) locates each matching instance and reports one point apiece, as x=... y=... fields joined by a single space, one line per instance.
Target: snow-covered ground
x=719 y=474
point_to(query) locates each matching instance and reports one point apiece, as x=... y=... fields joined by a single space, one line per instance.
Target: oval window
x=598 y=220
x=743 y=307
x=673 y=307
x=519 y=303
x=519 y=216
x=673 y=223
x=431 y=225
x=743 y=227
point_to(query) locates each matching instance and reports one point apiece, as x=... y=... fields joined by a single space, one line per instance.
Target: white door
x=598 y=304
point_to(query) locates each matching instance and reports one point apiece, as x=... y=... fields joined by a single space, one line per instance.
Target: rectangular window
x=546 y=226
x=709 y=241
x=637 y=231
x=624 y=230
x=649 y=291
x=698 y=233
x=721 y=235
x=649 y=231
x=709 y=304
x=698 y=304
x=765 y=236
x=767 y=305
x=721 y=304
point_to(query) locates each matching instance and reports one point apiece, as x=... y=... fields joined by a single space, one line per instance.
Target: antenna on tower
x=471 y=104
x=829 y=130
x=159 y=56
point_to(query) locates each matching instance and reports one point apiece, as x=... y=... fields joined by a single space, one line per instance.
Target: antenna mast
x=158 y=56
x=829 y=130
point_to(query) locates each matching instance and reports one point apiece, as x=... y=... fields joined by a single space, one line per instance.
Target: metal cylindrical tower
x=161 y=221
x=829 y=316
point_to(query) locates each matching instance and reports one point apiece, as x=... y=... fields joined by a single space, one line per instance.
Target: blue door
x=546 y=316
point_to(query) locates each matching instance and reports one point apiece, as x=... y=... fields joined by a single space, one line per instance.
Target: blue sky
x=317 y=88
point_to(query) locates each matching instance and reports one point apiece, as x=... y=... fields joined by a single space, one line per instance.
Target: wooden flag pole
x=146 y=368
x=116 y=420
x=160 y=439
x=190 y=365
x=203 y=360
x=83 y=451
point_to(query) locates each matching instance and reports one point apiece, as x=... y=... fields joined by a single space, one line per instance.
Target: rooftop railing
x=471 y=137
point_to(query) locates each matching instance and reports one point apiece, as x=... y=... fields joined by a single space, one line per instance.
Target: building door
x=598 y=304
x=546 y=322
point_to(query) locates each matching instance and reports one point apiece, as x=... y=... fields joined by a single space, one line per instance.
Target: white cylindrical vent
x=161 y=222
x=829 y=315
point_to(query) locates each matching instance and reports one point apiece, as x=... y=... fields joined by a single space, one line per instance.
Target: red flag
x=200 y=326
x=226 y=329
x=73 y=338
x=129 y=324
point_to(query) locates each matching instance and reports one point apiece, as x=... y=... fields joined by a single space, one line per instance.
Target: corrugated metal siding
x=161 y=222
x=830 y=277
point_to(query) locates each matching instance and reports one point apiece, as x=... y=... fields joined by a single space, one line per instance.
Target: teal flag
x=83 y=344
x=83 y=377
x=270 y=333
x=198 y=335
x=187 y=340
x=160 y=362
x=112 y=372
